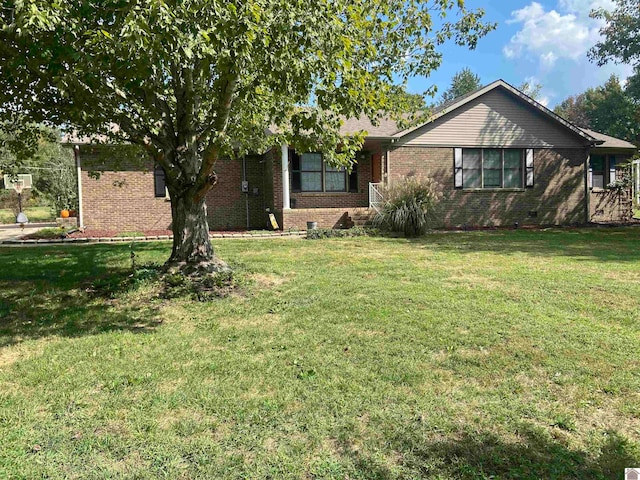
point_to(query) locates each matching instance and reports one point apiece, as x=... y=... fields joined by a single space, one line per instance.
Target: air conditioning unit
x=24 y=179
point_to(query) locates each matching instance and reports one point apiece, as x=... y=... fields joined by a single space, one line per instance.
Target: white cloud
x=551 y=44
x=549 y=36
x=548 y=59
x=584 y=7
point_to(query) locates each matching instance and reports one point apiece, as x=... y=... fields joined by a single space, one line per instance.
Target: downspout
x=76 y=154
x=587 y=190
x=246 y=195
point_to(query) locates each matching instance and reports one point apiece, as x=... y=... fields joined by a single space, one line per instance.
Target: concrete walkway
x=13 y=231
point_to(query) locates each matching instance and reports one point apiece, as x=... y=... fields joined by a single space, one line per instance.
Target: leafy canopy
x=609 y=109
x=621 y=34
x=193 y=80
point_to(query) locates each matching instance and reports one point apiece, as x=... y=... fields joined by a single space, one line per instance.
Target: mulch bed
x=93 y=233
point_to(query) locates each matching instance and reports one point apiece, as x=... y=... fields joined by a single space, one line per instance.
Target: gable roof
x=456 y=103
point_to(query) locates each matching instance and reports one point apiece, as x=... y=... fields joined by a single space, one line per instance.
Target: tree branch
x=206 y=177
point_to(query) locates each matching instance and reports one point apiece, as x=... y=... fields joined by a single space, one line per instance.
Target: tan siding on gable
x=496 y=119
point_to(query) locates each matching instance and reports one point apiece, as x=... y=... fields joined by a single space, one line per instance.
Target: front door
x=376 y=168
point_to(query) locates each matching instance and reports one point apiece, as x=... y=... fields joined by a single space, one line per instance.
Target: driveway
x=13 y=232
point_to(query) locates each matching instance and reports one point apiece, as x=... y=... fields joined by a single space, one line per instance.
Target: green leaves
x=214 y=76
x=621 y=42
x=609 y=109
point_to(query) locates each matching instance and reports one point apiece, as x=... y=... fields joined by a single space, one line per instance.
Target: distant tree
x=531 y=89
x=620 y=44
x=574 y=110
x=463 y=82
x=609 y=109
x=56 y=178
x=51 y=166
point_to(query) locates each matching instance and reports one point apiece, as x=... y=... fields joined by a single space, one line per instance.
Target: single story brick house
x=499 y=156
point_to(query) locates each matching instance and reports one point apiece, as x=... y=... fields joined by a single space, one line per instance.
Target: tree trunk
x=191 y=245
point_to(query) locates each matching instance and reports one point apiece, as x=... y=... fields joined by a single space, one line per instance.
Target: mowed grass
x=34 y=214
x=462 y=355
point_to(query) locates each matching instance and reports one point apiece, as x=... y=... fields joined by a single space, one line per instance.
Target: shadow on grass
x=599 y=244
x=487 y=456
x=47 y=292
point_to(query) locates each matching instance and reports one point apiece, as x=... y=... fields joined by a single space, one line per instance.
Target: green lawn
x=464 y=355
x=35 y=214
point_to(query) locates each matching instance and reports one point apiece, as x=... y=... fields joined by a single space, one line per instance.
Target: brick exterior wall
x=607 y=206
x=227 y=204
x=123 y=197
x=297 y=218
x=558 y=196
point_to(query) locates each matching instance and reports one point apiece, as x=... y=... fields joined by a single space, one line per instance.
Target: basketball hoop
x=18 y=186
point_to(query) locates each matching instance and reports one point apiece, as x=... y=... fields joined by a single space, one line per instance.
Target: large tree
x=608 y=109
x=463 y=82
x=620 y=34
x=192 y=81
x=621 y=44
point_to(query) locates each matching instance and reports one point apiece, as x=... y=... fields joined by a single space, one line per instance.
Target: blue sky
x=545 y=41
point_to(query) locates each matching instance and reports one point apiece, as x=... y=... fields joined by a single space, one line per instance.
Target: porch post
x=286 y=203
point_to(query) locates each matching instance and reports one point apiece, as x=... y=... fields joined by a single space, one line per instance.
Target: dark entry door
x=376 y=168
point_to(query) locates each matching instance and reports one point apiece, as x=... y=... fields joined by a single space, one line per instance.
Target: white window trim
x=323 y=173
x=459 y=170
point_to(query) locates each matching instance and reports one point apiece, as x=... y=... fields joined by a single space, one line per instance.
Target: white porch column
x=286 y=202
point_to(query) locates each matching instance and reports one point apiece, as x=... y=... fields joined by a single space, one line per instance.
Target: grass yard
x=34 y=214
x=471 y=355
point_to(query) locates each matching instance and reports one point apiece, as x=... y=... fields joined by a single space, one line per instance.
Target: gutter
x=76 y=154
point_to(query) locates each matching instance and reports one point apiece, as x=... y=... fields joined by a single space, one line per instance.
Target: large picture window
x=309 y=173
x=492 y=168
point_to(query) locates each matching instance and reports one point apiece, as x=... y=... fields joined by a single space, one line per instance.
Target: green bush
x=321 y=233
x=409 y=206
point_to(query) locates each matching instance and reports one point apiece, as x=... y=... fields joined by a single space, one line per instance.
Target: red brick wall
x=123 y=197
x=227 y=204
x=558 y=196
x=297 y=218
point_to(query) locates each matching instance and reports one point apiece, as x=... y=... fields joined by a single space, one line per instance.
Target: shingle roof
x=385 y=128
x=610 y=142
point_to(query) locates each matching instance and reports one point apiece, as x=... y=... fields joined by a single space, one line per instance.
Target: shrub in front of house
x=320 y=233
x=410 y=206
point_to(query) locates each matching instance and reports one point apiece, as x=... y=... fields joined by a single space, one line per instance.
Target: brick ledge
x=152 y=238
